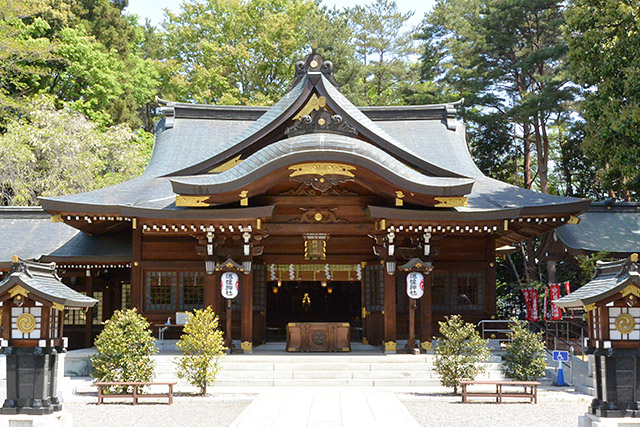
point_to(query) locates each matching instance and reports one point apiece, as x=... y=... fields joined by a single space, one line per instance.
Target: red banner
x=556 y=313
x=544 y=306
x=567 y=287
x=531 y=303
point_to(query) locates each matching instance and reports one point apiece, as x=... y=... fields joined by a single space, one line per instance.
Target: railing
x=495 y=329
x=566 y=334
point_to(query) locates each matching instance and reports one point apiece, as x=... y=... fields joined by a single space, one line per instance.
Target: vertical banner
x=534 y=305
x=544 y=305
x=554 y=292
x=531 y=303
x=567 y=287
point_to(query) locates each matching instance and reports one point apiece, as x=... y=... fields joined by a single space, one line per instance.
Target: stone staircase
x=365 y=369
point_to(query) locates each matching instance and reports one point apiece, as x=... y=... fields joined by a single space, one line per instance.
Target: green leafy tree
x=383 y=46
x=233 y=52
x=526 y=357
x=24 y=52
x=50 y=152
x=203 y=345
x=460 y=352
x=124 y=349
x=604 y=41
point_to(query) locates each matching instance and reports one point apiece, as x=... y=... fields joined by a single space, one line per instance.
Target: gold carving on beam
x=244 y=200
x=399 y=197
x=258 y=224
x=383 y=224
x=314 y=104
x=58 y=306
x=18 y=290
x=630 y=290
x=573 y=220
x=390 y=346
x=634 y=257
x=193 y=201
x=56 y=218
x=624 y=323
x=590 y=307
x=246 y=346
x=322 y=169
x=227 y=165
x=451 y=202
x=134 y=223
x=15 y=259
x=505 y=225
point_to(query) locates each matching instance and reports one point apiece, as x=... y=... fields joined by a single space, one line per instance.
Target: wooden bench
x=531 y=394
x=135 y=395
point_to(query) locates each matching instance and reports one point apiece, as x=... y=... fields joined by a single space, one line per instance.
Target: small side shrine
x=612 y=301
x=33 y=301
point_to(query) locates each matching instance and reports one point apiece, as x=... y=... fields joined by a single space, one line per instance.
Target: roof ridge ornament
x=315 y=65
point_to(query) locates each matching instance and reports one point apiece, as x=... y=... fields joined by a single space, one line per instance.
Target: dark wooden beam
x=246 y=322
x=389 y=310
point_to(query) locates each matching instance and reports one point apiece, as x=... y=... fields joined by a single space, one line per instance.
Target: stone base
x=590 y=420
x=58 y=419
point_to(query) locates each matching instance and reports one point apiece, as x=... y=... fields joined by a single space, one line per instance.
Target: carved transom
x=322 y=176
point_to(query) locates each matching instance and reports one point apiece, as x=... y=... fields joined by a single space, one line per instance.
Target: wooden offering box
x=318 y=337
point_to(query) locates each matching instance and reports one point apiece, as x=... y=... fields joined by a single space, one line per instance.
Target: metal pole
x=571 y=366
x=229 y=340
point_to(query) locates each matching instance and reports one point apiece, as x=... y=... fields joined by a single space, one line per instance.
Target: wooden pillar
x=490 y=275
x=389 y=311
x=88 y=326
x=246 y=322
x=137 y=283
x=363 y=303
x=425 y=318
x=212 y=296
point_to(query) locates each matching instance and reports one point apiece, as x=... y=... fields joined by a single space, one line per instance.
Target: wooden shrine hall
x=317 y=203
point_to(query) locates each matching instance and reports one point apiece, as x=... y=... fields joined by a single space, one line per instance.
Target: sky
x=153 y=9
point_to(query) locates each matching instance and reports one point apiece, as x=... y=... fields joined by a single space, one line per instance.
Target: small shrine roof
x=42 y=280
x=607 y=226
x=609 y=279
x=29 y=233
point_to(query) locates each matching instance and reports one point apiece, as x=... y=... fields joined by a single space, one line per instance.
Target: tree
x=50 y=152
x=383 y=47
x=604 y=41
x=202 y=344
x=237 y=52
x=24 y=52
x=124 y=349
x=459 y=353
x=526 y=353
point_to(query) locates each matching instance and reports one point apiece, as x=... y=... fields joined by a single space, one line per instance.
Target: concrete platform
x=315 y=408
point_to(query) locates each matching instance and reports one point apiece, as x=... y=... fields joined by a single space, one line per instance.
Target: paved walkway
x=325 y=408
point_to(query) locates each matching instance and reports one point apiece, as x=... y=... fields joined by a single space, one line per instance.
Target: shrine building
x=316 y=202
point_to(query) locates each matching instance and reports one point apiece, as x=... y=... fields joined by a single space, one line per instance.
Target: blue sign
x=561 y=356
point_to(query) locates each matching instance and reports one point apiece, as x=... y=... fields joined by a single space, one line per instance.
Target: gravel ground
x=449 y=411
x=193 y=413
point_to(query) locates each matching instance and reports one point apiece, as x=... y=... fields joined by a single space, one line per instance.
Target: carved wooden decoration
x=319 y=216
x=320 y=120
x=306 y=190
x=322 y=176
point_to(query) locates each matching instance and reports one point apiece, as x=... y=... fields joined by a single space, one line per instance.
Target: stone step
x=325 y=382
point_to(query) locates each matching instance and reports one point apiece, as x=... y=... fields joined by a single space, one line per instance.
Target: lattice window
x=54 y=323
x=160 y=287
x=595 y=324
x=374 y=287
x=125 y=299
x=259 y=288
x=96 y=311
x=26 y=319
x=629 y=323
x=191 y=290
x=74 y=317
x=440 y=291
x=468 y=291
